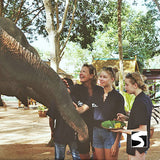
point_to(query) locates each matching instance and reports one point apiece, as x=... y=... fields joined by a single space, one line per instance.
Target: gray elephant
x=15 y=32
x=23 y=72
x=12 y=88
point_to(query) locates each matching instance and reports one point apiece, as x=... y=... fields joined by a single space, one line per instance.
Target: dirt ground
x=24 y=135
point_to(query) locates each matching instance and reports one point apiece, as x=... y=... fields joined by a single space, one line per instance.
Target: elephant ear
x=29 y=70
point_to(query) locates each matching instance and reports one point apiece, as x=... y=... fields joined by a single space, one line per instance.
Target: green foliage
x=154 y=92
x=44 y=55
x=112 y=124
x=142 y=36
x=89 y=18
x=74 y=58
x=153 y=62
x=105 y=44
x=94 y=27
x=129 y=99
x=28 y=15
x=42 y=108
x=139 y=33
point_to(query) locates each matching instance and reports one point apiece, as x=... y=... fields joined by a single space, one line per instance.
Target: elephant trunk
x=27 y=68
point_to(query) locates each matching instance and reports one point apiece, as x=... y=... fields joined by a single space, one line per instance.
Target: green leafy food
x=112 y=124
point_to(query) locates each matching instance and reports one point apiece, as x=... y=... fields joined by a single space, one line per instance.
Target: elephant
x=24 y=74
x=9 y=89
x=15 y=32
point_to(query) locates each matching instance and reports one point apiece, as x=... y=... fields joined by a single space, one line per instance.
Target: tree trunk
x=53 y=49
x=1 y=8
x=157 y=4
x=120 y=48
x=51 y=31
x=55 y=30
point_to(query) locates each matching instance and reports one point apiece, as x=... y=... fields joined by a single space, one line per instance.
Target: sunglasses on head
x=129 y=75
x=108 y=68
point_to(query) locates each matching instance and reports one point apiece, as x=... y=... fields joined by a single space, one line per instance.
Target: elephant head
x=20 y=68
x=12 y=88
x=15 y=32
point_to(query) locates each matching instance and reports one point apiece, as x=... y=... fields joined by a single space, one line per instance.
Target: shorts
x=103 y=138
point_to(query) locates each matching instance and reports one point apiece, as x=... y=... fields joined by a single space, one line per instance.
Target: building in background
x=129 y=65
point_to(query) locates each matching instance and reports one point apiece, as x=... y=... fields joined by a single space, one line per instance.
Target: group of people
x=98 y=103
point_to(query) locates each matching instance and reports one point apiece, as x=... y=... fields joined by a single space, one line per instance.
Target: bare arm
x=115 y=146
x=81 y=109
x=122 y=117
x=129 y=131
x=118 y=137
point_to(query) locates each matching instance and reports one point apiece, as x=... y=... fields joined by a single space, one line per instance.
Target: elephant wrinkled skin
x=24 y=74
x=12 y=88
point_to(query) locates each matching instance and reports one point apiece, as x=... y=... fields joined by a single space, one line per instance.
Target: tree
x=88 y=20
x=1 y=8
x=91 y=17
x=140 y=36
x=157 y=4
x=30 y=17
x=27 y=14
x=55 y=28
x=75 y=56
x=120 y=47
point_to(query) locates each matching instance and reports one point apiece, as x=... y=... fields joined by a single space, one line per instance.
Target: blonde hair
x=111 y=71
x=136 y=77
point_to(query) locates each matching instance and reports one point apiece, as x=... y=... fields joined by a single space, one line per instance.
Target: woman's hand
x=75 y=105
x=127 y=131
x=118 y=130
x=121 y=117
x=65 y=82
x=81 y=109
x=114 y=150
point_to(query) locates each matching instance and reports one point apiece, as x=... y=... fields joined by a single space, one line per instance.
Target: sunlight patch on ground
x=23 y=126
x=157 y=143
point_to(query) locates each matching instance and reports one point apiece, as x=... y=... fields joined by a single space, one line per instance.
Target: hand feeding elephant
x=21 y=67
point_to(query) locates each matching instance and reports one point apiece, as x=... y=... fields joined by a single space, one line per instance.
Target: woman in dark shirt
x=86 y=96
x=105 y=142
x=140 y=115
